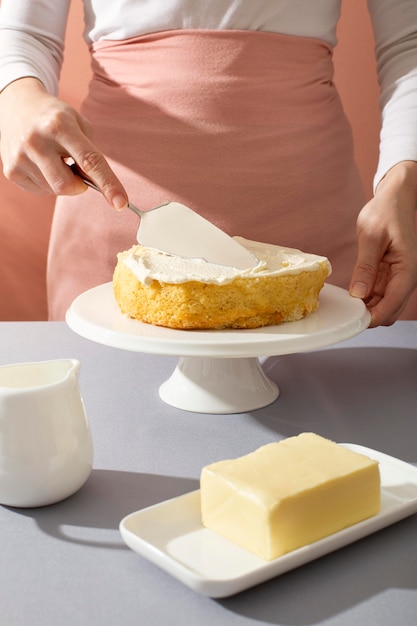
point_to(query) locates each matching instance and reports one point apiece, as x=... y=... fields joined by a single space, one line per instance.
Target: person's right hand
x=38 y=133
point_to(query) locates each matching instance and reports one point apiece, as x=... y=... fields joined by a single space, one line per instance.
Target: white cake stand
x=218 y=371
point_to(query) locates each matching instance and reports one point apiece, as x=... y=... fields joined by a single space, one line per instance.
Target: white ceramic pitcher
x=46 y=451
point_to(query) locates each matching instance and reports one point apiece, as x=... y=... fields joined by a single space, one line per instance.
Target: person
x=227 y=106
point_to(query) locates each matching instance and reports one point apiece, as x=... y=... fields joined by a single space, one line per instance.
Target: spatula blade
x=178 y=230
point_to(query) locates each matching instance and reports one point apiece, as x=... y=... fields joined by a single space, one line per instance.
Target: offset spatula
x=176 y=229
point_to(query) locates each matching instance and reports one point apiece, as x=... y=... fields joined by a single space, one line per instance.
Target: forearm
x=17 y=94
x=394 y=24
x=32 y=40
x=400 y=186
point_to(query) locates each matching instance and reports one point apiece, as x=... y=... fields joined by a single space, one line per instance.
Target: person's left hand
x=385 y=273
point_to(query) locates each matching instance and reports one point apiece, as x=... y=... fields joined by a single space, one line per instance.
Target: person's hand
x=385 y=273
x=39 y=133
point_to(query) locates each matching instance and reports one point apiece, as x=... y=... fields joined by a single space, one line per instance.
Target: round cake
x=176 y=292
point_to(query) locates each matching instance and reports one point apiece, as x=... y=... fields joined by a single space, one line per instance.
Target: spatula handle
x=78 y=172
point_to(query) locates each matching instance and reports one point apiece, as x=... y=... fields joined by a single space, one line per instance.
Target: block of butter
x=288 y=494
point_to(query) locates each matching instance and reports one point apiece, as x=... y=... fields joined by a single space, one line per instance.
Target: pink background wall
x=25 y=218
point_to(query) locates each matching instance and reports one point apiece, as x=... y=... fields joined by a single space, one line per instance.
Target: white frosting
x=149 y=264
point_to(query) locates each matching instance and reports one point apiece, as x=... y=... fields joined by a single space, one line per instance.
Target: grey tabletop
x=66 y=564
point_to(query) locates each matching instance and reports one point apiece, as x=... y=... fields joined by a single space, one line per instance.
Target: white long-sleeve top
x=32 y=43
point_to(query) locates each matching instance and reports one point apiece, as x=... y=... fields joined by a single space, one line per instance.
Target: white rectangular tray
x=170 y=535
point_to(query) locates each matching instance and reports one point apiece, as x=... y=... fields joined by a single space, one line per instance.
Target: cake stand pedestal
x=210 y=385
x=218 y=371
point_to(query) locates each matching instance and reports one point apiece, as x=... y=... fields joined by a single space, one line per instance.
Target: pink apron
x=245 y=127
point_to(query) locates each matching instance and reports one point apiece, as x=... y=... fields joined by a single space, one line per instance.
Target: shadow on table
x=365 y=395
x=336 y=583
x=92 y=515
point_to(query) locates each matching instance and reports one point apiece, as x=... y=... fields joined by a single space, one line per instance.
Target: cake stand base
x=218 y=385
